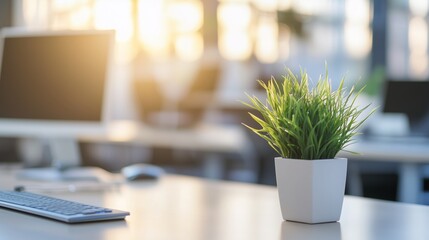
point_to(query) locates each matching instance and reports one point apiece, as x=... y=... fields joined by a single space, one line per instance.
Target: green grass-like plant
x=303 y=123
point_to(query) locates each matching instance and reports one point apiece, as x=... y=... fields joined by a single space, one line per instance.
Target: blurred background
x=182 y=67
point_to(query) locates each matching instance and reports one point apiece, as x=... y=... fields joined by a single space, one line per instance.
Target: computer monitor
x=410 y=98
x=53 y=85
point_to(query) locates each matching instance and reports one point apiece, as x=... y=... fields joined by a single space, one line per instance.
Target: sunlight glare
x=266 y=5
x=418 y=41
x=234 y=15
x=35 y=13
x=358 y=40
x=190 y=46
x=153 y=28
x=311 y=7
x=187 y=16
x=235 y=45
x=66 y=5
x=419 y=7
x=418 y=35
x=114 y=15
x=358 y=11
x=267 y=49
x=80 y=18
x=284 y=4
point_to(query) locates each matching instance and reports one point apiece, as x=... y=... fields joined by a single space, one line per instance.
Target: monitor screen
x=408 y=97
x=53 y=76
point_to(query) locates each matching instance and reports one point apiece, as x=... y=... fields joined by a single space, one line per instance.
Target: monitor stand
x=65 y=161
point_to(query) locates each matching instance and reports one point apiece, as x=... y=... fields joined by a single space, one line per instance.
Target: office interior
x=184 y=66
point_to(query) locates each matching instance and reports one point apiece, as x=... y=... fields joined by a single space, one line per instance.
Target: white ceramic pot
x=311 y=191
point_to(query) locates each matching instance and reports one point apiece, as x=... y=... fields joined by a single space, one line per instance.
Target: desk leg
x=354 y=180
x=251 y=164
x=213 y=166
x=410 y=183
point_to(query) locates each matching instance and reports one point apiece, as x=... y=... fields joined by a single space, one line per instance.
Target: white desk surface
x=401 y=150
x=179 y=207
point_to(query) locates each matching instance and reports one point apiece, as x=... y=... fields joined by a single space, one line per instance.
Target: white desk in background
x=213 y=140
x=411 y=155
x=186 y=208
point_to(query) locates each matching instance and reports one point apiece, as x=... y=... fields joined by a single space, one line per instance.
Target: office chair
x=149 y=98
x=200 y=94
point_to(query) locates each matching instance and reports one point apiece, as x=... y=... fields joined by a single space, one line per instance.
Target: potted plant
x=308 y=127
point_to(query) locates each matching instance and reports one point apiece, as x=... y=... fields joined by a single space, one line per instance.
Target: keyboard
x=58 y=209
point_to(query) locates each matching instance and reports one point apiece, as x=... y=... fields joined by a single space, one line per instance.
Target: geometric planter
x=294 y=230
x=311 y=191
